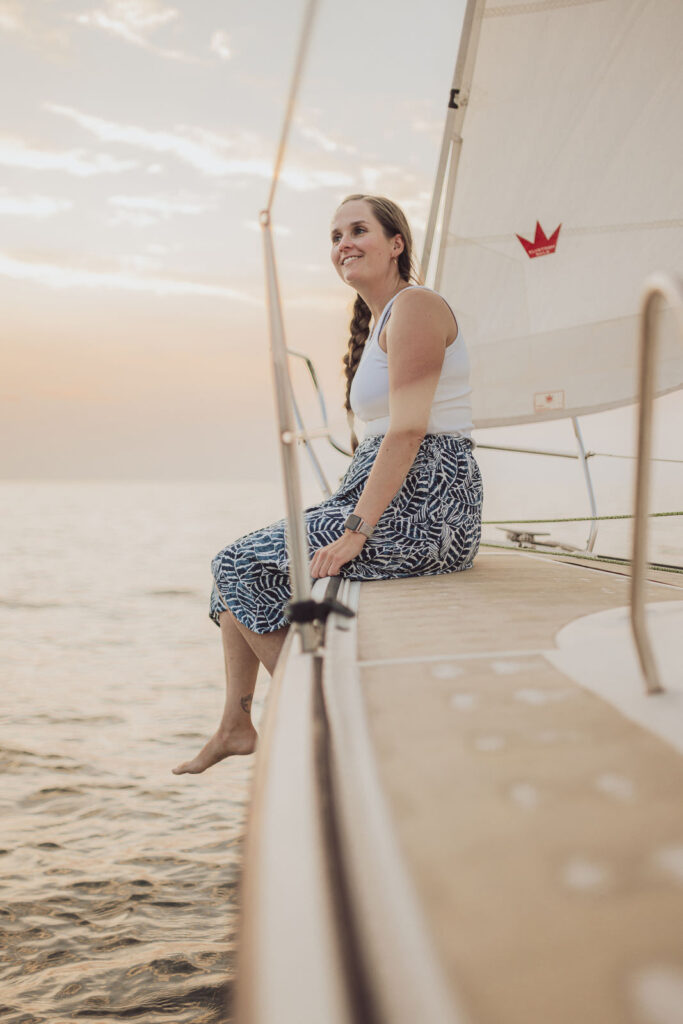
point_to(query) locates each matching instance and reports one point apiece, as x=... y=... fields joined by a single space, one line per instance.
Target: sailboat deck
x=671 y=579
x=535 y=820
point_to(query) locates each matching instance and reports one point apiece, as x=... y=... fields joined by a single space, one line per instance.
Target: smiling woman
x=410 y=501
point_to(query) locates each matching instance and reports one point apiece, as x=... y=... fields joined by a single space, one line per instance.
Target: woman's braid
x=359 y=328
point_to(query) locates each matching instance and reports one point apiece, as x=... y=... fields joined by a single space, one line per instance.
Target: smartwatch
x=357 y=525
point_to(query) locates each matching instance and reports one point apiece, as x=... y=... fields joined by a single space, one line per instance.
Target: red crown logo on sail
x=541 y=245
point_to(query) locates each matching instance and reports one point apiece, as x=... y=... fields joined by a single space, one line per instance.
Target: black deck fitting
x=316 y=611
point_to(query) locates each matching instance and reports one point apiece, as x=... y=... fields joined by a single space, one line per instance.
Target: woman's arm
x=417 y=333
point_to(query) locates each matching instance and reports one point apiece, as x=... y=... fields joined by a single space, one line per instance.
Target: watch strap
x=357 y=525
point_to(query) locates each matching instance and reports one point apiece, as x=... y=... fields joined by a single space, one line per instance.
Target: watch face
x=353 y=522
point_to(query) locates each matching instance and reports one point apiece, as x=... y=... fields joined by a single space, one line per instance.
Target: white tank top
x=451 y=411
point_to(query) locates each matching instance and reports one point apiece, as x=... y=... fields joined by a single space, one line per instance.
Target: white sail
x=564 y=190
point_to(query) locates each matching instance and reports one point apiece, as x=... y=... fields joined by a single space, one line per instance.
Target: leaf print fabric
x=432 y=526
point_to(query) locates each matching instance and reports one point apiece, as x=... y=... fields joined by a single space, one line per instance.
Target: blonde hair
x=394 y=222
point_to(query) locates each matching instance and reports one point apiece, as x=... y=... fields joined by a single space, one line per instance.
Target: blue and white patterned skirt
x=432 y=525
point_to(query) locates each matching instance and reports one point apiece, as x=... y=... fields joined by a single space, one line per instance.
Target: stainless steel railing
x=656 y=287
x=297 y=542
x=325 y=430
x=582 y=455
x=307 y=436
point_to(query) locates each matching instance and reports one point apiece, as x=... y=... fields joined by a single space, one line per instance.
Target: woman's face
x=360 y=249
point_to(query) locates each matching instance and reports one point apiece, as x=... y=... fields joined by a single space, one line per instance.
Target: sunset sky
x=136 y=149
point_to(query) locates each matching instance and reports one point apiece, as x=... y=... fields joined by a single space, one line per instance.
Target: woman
x=410 y=501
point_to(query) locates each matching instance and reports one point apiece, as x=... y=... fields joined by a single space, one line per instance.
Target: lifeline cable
x=614 y=455
x=573 y=519
x=577 y=554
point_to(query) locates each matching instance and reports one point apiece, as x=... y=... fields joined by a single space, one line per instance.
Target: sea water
x=118 y=880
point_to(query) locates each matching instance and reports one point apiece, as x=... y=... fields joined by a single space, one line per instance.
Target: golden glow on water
x=118 y=880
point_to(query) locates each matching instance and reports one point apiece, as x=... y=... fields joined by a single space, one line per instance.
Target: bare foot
x=221 y=745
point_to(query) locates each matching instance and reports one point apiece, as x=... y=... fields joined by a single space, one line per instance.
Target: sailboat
x=468 y=799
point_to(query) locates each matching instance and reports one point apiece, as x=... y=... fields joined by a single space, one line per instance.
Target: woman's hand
x=328 y=561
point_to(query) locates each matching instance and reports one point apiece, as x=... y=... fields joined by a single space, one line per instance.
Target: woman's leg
x=266 y=646
x=242 y=651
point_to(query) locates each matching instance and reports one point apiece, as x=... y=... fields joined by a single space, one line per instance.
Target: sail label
x=541 y=245
x=544 y=400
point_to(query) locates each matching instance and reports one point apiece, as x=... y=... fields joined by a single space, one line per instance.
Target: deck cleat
x=527 y=539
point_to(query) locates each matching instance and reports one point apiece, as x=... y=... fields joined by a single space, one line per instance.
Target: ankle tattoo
x=245 y=702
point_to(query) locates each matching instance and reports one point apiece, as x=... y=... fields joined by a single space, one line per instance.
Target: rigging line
x=306 y=30
x=573 y=519
x=614 y=455
x=568 y=455
x=577 y=554
x=535 y=7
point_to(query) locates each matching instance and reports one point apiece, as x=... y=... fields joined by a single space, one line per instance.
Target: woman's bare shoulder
x=420 y=307
x=417 y=295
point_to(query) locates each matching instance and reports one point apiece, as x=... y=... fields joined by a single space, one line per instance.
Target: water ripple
x=118 y=881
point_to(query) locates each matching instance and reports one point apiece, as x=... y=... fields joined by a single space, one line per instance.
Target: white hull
x=448 y=825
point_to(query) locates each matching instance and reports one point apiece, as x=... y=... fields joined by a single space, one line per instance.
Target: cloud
x=416 y=209
x=433 y=127
x=10 y=16
x=211 y=139
x=142 y=15
x=157 y=249
x=163 y=207
x=371 y=176
x=53 y=275
x=206 y=154
x=220 y=44
x=143 y=211
x=203 y=155
x=32 y=206
x=418 y=115
x=28 y=21
x=140 y=262
x=326 y=142
x=386 y=179
x=305 y=178
x=133 y=21
x=135 y=218
x=277 y=229
x=15 y=153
